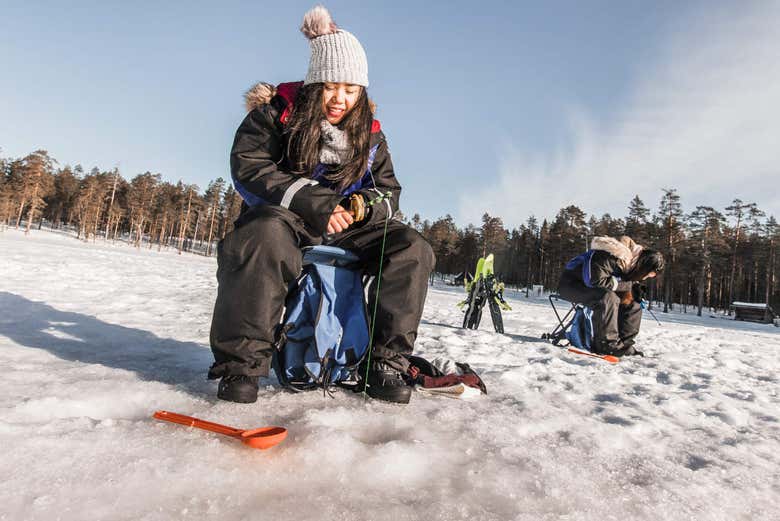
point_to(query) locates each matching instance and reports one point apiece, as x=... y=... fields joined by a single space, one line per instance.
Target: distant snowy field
x=94 y=338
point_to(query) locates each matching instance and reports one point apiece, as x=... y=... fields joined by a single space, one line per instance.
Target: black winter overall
x=259 y=260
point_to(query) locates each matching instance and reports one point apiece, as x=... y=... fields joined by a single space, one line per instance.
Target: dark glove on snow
x=638 y=291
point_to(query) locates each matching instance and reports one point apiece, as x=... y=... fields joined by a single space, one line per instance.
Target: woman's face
x=338 y=99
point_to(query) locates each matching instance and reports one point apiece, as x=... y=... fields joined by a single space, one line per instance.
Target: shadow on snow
x=83 y=338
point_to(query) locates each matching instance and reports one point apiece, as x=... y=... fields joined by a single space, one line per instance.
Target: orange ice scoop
x=262 y=438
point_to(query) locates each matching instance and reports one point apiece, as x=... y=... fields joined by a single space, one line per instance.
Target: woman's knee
x=419 y=248
x=609 y=298
x=267 y=233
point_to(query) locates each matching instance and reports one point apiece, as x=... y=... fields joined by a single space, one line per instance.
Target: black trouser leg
x=408 y=261
x=605 y=321
x=256 y=263
x=604 y=304
x=629 y=320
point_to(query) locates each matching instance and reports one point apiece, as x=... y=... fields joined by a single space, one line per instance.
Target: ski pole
x=642 y=305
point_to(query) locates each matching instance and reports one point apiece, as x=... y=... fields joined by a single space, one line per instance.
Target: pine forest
x=714 y=256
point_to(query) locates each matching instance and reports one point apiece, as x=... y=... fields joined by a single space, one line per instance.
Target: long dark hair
x=648 y=261
x=303 y=135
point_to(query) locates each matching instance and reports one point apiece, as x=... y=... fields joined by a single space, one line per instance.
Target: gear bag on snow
x=442 y=373
x=324 y=334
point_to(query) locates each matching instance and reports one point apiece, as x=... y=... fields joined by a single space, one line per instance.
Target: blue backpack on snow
x=324 y=333
x=575 y=327
x=580 y=330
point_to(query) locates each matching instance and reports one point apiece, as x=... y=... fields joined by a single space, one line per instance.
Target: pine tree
x=636 y=222
x=443 y=237
x=468 y=248
x=706 y=225
x=532 y=246
x=772 y=230
x=110 y=212
x=185 y=213
x=493 y=239
x=568 y=237
x=213 y=198
x=38 y=183
x=739 y=212
x=15 y=184
x=62 y=199
x=140 y=200
x=168 y=200
x=670 y=216
x=608 y=226
x=90 y=202
x=5 y=192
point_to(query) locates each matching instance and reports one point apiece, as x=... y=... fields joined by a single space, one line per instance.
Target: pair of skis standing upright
x=483 y=289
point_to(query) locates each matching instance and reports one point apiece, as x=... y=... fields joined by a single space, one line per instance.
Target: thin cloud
x=703 y=118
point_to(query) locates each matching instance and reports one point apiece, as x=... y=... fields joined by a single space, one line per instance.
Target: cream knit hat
x=336 y=55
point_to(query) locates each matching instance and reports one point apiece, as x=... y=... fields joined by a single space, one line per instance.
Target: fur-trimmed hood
x=623 y=248
x=258 y=95
x=261 y=94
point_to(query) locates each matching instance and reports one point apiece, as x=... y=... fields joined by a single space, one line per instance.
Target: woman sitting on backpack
x=607 y=278
x=299 y=155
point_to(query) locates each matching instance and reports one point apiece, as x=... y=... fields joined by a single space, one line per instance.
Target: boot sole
x=238 y=397
x=393 y=395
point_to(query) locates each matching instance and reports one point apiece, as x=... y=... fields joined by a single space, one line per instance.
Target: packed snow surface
x=94 y=337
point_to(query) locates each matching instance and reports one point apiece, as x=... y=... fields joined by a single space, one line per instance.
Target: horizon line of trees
x=713 y=257
x=102 y=204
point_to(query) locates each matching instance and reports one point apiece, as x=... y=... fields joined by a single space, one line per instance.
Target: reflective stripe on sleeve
x=293 y=189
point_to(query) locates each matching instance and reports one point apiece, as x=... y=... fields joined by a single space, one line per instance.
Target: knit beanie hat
x=336 y=55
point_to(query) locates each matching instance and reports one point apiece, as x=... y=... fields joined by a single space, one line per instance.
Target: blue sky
x=515 y=108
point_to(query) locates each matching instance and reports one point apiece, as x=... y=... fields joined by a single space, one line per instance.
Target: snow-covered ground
x=95 y=337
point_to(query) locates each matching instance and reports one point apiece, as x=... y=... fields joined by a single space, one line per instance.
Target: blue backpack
x=324 y=334
x=580 y=331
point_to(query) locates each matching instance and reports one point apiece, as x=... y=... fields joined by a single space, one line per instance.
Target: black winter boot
x=387 y=383
x=616 y=349
x=238 y=388
x=607 y=348
x=629 y=351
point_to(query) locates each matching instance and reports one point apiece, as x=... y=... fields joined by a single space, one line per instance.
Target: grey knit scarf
x=334 y=147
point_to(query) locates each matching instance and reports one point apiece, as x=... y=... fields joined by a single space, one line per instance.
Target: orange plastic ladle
x=262 y=438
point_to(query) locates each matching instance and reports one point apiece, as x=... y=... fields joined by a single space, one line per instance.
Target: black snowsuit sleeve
x=254 y=164
x=384 y=179
x=604 y=272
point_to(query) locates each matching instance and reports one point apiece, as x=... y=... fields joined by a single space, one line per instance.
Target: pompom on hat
x=336 y=55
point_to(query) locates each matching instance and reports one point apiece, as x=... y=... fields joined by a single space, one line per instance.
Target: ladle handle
x=195 y=422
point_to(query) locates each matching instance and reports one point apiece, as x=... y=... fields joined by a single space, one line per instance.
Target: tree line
x=714 y=256
x=102 y=204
